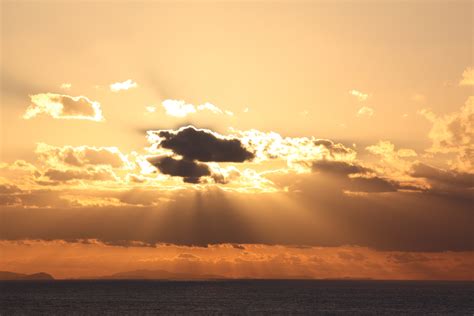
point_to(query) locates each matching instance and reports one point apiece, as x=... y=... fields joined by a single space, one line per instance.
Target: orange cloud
x=454 y=133
x=61 y=106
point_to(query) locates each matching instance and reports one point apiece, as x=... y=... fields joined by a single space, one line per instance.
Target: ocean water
x=270 y=297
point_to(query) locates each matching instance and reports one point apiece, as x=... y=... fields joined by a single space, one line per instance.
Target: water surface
x=134 y=297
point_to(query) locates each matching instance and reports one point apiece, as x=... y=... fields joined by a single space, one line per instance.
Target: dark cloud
x=372 y=184
x=365 y=182
x=337 y=167
x=190 y=171
x=196 y=146
x=451 y=183
x=435 y=175
x=203 y=145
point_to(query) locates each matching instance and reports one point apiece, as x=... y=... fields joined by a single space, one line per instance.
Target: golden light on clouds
x=203 y=139
x=60 y=106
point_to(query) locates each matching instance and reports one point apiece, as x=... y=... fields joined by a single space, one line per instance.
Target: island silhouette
x=12 y=276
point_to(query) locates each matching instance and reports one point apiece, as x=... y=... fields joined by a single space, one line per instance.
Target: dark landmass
x=12 y=276
x=157 y=275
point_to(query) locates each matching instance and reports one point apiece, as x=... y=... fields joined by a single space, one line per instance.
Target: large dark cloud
x=202 y=145
x=191 y=171
x=196 y=146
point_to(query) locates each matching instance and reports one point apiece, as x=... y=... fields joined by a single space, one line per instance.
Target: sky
x=269 y=139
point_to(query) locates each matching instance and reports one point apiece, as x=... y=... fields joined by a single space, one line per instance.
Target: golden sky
x=316 y=139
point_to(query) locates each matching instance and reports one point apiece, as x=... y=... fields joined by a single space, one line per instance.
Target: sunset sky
x=270 y=139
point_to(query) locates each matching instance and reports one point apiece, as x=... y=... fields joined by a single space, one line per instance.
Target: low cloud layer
x=320 y=215
x=233 y=261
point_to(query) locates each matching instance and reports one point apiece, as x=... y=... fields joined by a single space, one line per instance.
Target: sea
x=236 y=297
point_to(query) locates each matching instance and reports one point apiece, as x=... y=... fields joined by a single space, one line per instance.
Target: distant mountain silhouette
x=6 y=275
x=159 y=275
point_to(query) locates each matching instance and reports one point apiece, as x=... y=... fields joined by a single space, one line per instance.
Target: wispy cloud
x=365 y=111
x=359 y=95
x=150 y=109
x=65 y=86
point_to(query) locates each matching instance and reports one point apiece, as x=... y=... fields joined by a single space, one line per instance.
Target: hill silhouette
x=6 y=275
x=158 y=275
